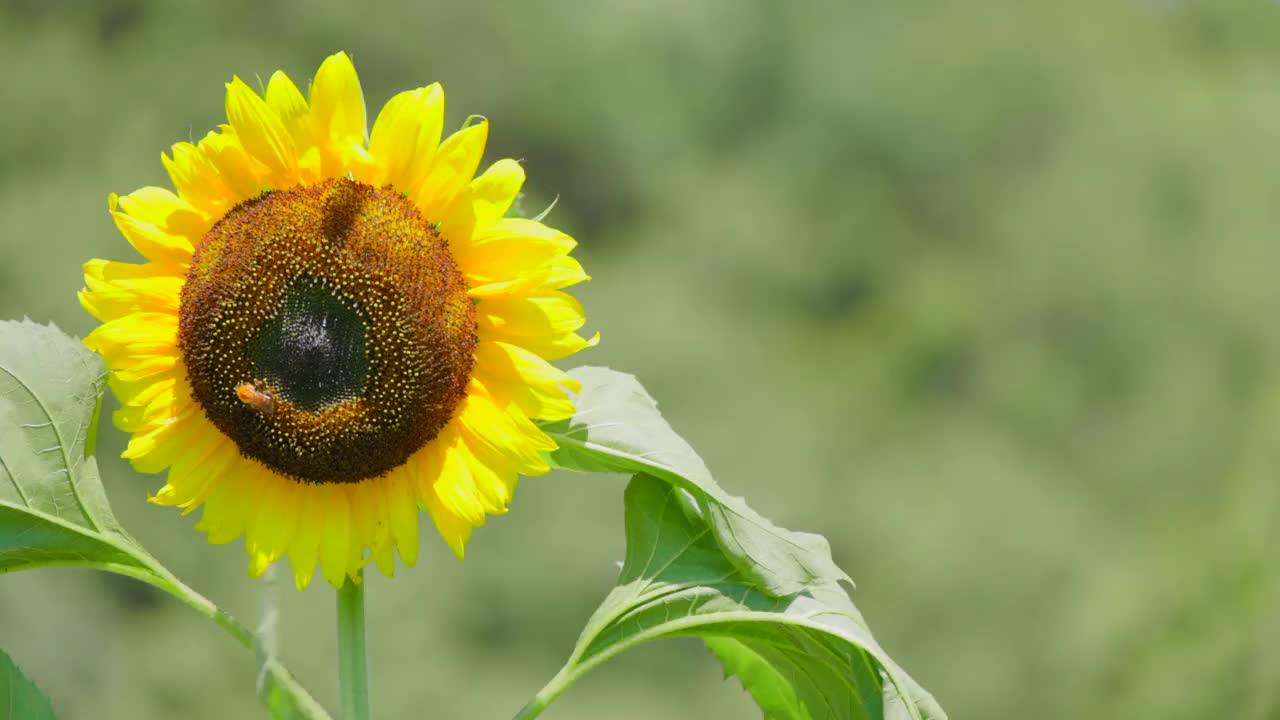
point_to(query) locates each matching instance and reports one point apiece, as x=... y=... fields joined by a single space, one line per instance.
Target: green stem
x=568 y=674
x=196 y=601
x=531 y=711
x=535 y=706
x=555 y=688
x=575 y=668
x=273 y=677
x=353 y=673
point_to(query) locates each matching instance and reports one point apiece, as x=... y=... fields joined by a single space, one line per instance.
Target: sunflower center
x=327 y=330
x=313 y=352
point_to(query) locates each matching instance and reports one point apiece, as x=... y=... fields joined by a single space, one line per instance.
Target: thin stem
x=534 y=708
x=553 y=689
x=544 y=698
x=274 y=681
x=353 y=673
x=531 y=711
x=160 y=577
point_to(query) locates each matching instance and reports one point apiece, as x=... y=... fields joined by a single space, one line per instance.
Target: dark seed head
x=327 y=330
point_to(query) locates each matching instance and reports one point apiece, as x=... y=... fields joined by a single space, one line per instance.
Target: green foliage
x=981 y=291
x=53 y=510
x=20 y=699
x=700 y=562
x=618 y=429
x=769 y=686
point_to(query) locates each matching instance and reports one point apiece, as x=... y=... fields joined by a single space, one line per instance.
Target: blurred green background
x=985 y=292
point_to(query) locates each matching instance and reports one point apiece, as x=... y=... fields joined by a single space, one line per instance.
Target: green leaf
x=53 y=509
x=19 y=698
x=769 y=687
x=617 y=428
x=770 y=602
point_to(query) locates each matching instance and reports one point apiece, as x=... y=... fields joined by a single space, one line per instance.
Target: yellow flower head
x=334 y=328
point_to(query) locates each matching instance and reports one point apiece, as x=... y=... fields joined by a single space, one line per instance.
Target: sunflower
x=334 y=328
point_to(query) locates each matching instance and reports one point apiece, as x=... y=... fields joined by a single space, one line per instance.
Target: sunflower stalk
x=353 y=672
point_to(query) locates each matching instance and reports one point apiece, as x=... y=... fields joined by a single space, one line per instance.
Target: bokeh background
x=985 y=292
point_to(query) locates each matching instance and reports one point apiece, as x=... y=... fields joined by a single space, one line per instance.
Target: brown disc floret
x=327 y=330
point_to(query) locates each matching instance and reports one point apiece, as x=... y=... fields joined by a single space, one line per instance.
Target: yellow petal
x=492 y=477
x=286 y=100
x=164 y=209
x=384 y=556
x=510 y=248
x=542 y=324
x=164 y=401
x=156 y=447
x=190 y=476
x=369 y=513
x=275 y=521
x=337 y=104
x=224 y=458
x=533 y=384
x=226 y=509
x=242 y=174
x=426 y=465
x=141 y=368
x=565 y=271
x=495 y=190
x=554 y=347
x=110 y=271
x=153 y=242
x=120 y=299
x=260 y=130
x=455 y=530
x=459 y=219
x=138 y=333
x=195 y=178
x=456 y=488
x=153 y=280
x=335 y=536
x=383 y=546
x=482 y=424
x=140 y=394
x=355 y=551
x=402 y=509
x=115 y=289
x=524 y=285
x=203 y=445
x=348 y=157
x=554 y=313
x=305 y=548
x=454 y=165
x=405 y=137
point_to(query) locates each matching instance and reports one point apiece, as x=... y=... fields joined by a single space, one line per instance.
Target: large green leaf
x=768 y=685
x=770 y=602
x=19 y=698
x=53 y=509
x=617 y=428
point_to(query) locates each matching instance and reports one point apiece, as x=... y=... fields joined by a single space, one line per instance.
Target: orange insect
x=259 y=400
